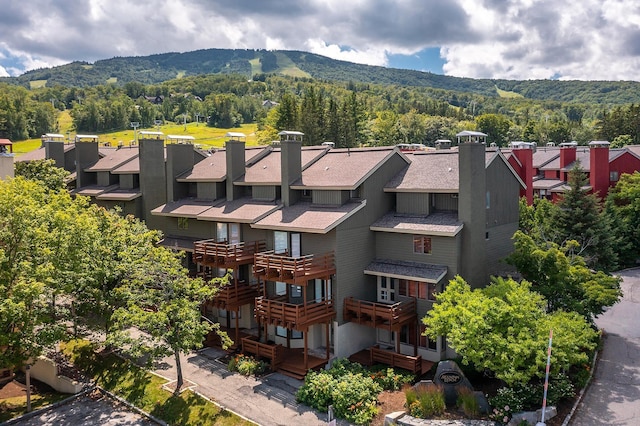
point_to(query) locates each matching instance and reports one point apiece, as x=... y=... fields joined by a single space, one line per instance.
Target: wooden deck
x=213 y=340
x=216 y=254
x=299 y=317
x=270 y=266
x=365 y=357
x=290 y=362
x=380 y=315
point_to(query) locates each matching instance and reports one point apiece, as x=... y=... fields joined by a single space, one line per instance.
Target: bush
x=390 y=379
x=506 y=402
x=425 y=401
x=560 y=387
x=468 y=402
x=247 y=365
x=347 y=386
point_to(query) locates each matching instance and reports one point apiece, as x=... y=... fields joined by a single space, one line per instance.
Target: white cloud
x=518 y=39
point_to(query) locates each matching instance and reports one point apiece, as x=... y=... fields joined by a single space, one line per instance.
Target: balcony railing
x=379 y=315
x=274 y=353
x=293 y=270
x=393 y=359
x=299 y=317
x=234 y=295
x=224 y=255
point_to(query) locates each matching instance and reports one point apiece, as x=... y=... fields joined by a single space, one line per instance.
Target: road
x=613 y=398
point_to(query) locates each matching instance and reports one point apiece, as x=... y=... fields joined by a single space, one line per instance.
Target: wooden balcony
x=380 y=315
x=224 y=255
x=274 y=353
x=396 y=360
x=269 y=266
x=234 y=295
x=296 y=317
x=291 y=362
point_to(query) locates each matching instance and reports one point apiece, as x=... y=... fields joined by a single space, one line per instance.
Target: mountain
x=154 y=69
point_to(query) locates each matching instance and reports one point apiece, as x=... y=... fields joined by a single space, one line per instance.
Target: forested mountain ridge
x=158 y=68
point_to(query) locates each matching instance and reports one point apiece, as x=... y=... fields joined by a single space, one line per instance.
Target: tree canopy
x=504 y=328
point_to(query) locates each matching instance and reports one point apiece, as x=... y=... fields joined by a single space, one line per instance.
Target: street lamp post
x=28 y=383
x=135 y=126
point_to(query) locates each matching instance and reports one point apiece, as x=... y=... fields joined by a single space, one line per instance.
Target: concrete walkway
x=268 y=401
x=613 y=398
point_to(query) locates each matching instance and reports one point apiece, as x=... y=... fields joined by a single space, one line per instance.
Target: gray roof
x=120 y=195
x=547 y=183
x=113 y=159
x=407 y=270
x=243 y=210
x=307 y=217
x=343 y=169
x=441 y=223
x=267 y=170
x=214 y=167
x=435 y=171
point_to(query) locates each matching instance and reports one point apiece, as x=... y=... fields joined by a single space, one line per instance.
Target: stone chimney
x=236 y=163
x=291 y=165
x=153 y=178
x=524 y=153
x=472 y=212
x=599 y=167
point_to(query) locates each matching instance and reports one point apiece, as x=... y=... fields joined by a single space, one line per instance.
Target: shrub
x=426 y=401
x=247 y=365
x=506 y=402
x=560 y=387
x=468 y=402
x=390 y=379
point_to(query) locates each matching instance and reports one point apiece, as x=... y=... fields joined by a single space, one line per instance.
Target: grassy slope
x=507 y=94
x=207 y=137
x=288 y=67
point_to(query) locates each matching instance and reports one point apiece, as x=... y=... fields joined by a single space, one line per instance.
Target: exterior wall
x=552 y=174
x=106 y=178
x=7 y=169
x=504 y=191
x=413 y=203
x=235 y=159
x=290 y=170
x=625 y=163
x=195 y=228
x=128 y=181
x=394 y=246
x=525 y=156
x=499 y=246
x=329 y=197
x=445 y=202
x=133 y=207
x=350 y=338
x=209 y=190
x=55 y=151
x=264 y=193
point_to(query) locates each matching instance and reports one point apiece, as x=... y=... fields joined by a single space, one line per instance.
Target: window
x=282 y=332
x=183 y=223
x=408 y=334
x=228 y=232
x=386 y=289
x=421 y=244
x=281 y=288
x=614 y=176
x=417 y=289
x=287 y=242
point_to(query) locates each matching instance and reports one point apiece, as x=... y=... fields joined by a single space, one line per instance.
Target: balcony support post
x=327 y=343
x=306 y=350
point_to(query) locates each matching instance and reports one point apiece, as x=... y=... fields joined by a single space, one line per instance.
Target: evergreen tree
x=579 y=217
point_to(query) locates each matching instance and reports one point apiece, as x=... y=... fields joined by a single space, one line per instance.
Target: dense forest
x=155 y=69
x=346 y=112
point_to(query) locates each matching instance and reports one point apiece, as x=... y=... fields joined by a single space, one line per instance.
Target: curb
x=567 y=419
x=27 y=416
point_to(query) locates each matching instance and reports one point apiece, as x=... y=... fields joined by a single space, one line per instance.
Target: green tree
x=563 y=278
x=162 y=304
x=504 y=328
x=623 y=207
x=579 y=217
x=44 y=172
x=496 y=126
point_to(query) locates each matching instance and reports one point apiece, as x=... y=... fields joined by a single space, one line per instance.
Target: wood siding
x=264 y=193
x=337 y=198
x=500 y=245
x=413 y=203
x=504 y=192
x=208 y=190
x=445 y=202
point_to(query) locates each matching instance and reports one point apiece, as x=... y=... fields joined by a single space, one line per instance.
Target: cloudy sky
x=513 y=39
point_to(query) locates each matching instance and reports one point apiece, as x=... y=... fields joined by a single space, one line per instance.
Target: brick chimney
x=291 y=164
x=472 y=211
x=599 y=167
x=523 y=151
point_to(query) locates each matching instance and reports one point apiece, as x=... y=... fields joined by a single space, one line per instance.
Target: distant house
x=157 y=100
x=269 y=103
x=6 y=159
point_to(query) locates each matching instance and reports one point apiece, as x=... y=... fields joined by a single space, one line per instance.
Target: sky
x=501 y=39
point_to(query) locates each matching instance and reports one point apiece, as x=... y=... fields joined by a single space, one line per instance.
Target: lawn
x=17 y=406
x=143 y=389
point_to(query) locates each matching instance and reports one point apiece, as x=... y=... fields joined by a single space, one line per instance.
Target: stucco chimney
x=599 y=167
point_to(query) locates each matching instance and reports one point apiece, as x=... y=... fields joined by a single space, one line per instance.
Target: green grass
x=37 y=84
x=143 y=389
x=288 y=67
x=15 y=407
x=112 y=80
x=256 y=66
x=207 y=137
x=507 y=94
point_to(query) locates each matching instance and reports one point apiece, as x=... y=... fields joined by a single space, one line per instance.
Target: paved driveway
x=614 y=395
